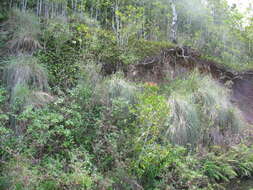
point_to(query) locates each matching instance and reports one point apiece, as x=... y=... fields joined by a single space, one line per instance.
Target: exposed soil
x=243 y=94
x=174 y=62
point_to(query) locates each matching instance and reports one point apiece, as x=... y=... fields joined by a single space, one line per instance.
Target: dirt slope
x=243 y=95
x=174 y=62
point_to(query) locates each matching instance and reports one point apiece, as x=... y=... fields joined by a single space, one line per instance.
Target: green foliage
x=3 y=115
x=152 y=111
x=101 y=46
x=21 y=174
x=19 y=97
x=61 y=126
x=224 y=167
x=77 y=143
x=53 y=153
x=144 y=48
x=70 y=46
x=60 y=54
x=224 y=33
x=154 y=160
x=2 y=95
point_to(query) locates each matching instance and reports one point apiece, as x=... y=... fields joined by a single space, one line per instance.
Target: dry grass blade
x=25 y=44
x=22 y=30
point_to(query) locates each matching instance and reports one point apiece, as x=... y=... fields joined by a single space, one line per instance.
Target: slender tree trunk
x=174 y=22
x=52 y=9
x=10 y=4
x=81 y=6
x=46 y=9
x=22 y=5
x=40 y=7
x=37 y=8
x=25 y=5
x=96 y=13
x=249 y=46
x=143 y=22
x=91 y=11
x=117 y=21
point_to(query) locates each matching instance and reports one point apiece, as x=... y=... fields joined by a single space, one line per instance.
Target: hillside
x=118 y=95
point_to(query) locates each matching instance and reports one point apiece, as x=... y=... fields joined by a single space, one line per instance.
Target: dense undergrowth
x=122 y=139
x=66 y=124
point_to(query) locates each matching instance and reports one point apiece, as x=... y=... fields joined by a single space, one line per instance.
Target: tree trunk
x=37 y=8
x=116 y=25
x=25 y=5
x=174 y=22
x=10 y=5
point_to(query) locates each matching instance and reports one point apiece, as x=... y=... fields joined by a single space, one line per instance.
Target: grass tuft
x=119 y=88
x=23 y=30
x=201 y=112
x=24 y=71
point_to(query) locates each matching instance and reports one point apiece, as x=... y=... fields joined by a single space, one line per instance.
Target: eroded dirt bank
x=174 y=62
x=243 y=94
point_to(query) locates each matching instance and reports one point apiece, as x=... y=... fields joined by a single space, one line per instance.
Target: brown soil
x=243 y=94
x=174 y=62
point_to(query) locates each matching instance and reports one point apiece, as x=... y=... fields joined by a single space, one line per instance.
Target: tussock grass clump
x=22 y=30
x=91 y=74
x=185 y=122
x=106 y=90
x=216 y=104
x=26 y=72
x=201 y=112
x=118 y=88
x=26 y=82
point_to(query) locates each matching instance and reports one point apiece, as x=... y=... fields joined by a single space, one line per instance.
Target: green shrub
x=60 y=54
x=153 y=160
x=23 y=173
x=54 y=146
x=3 y=98
x=152 y=112
x=143 y=48
x=4 y=119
